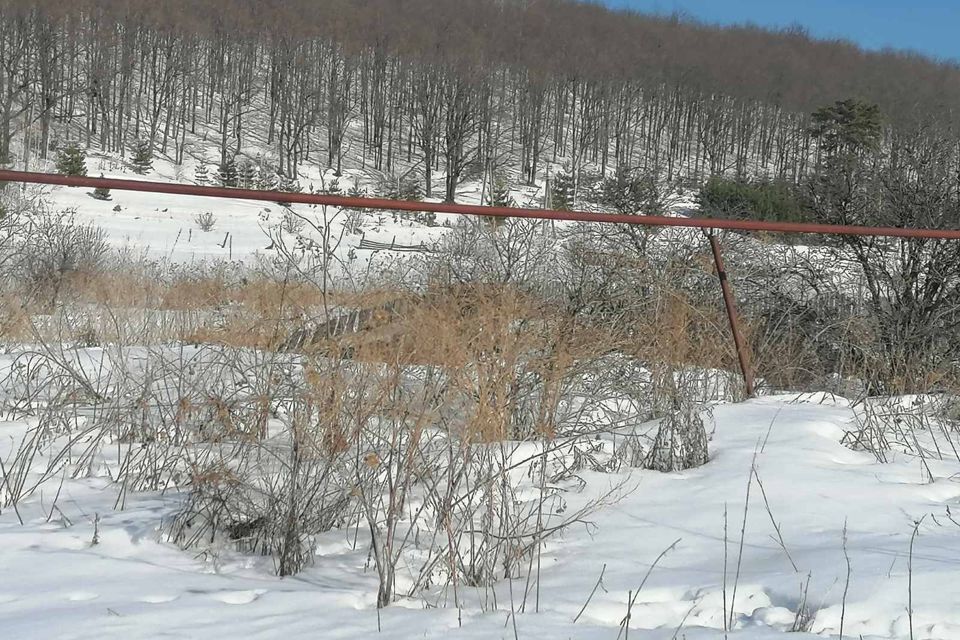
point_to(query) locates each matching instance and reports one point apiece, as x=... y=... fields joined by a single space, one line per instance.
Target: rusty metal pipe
x=469 y=209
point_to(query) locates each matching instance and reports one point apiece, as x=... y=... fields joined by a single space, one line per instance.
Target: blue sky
x=931 y=27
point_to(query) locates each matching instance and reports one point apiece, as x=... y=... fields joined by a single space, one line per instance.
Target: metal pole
x=472 y=209
x=732 y=315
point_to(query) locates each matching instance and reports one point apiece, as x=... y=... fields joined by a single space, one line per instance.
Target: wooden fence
x=373 y=245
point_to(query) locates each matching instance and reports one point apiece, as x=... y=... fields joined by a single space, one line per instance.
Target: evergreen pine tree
x=850 y=133
x=499 y=196
x=355 y=216
x=356 y=192
x=142 y=159
x=101 y=193
x=403 y=189
x=227 y=173
x=201 y=175
x=410 y=190
x=500 y=192
x=562 y=190
x=72 y=161
x=248 y=174
x=290 y=185
x=266 y=179
x=631 y=192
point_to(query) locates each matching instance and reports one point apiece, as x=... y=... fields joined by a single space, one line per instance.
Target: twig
x=916 y=529
x=743 y=534
x=590 y=597
x=770 y=428
x=726 y=627
x=57 y=496
x=776 y=527
x=676 y=631
x=96 y=530
x=13 y=498
x=846 y=586
x=513 y=611
x=802 y=619
x=625 y=623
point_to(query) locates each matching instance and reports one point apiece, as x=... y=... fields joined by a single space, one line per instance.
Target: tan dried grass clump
x=14 y=319
x=499 y=357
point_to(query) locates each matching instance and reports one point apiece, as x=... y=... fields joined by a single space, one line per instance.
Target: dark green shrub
x=72 y=161
x=770 y=200
x=142 y=157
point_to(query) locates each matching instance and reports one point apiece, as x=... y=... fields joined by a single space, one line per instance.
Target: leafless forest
x=465 y=87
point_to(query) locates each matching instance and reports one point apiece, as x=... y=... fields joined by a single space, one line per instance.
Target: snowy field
x=806 y=491
x=162 y=226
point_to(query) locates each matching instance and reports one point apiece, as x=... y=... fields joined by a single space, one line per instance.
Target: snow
x=158 y=226
x=133 y=584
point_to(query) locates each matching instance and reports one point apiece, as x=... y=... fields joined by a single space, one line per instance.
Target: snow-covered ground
x=808 y=489
x=162 y=226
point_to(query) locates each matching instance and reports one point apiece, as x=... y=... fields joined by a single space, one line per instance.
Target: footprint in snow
x=158 y=598
x=238 y=597
x=82 y=596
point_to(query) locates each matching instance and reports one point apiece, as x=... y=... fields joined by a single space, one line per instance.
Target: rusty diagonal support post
x=731 y=306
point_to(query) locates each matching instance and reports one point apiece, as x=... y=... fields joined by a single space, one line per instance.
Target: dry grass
x=493 y=347
x=510 y=353
x=120 y=306
x=14 y=319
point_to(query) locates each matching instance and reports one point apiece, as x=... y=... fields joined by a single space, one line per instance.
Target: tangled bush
x=681 y=441
x=11 y=223
x=521 y=253
x=53 y=248
x=923 y=426
x=205 y=221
